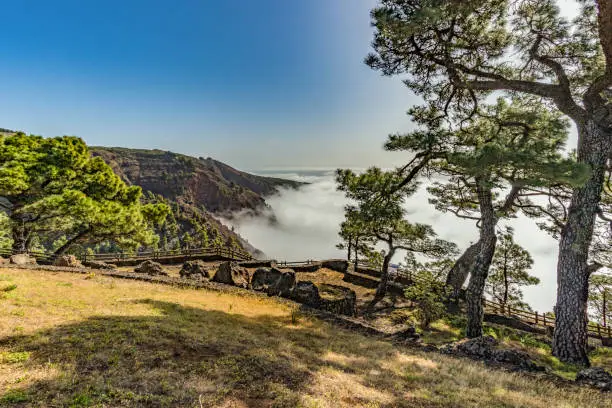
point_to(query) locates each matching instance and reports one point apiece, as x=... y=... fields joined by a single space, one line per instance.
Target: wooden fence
x=534 y=319
x=230 y=253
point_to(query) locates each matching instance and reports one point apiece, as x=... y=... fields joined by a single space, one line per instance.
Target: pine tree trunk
x=570 y=335
x=20 y=236
x=506 y=284
x=479 y=273
x=381 y=290
x=61 y=250
x=350 y=246
x=461 y=269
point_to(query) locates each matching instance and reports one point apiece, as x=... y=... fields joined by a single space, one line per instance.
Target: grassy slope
x=74 y=340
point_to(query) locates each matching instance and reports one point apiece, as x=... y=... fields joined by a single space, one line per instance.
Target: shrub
x=429 y=295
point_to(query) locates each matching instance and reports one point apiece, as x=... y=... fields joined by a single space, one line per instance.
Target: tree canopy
x=456 y=54
x=378 y=215
x=509 y=272
x=53 y=184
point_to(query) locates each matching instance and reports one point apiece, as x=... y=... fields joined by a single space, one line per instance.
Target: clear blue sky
x=257 y=84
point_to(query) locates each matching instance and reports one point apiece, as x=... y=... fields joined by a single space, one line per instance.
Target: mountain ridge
x=218 y=187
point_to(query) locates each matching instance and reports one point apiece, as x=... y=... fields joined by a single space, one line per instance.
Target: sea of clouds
x=303 y=224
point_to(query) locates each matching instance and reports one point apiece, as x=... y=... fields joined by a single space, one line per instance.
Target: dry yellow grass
x=76 y=340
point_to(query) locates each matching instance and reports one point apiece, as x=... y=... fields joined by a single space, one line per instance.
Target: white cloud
x=307 y=223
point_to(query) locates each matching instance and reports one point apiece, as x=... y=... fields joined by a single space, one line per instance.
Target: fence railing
x=536 y=319
x=232 y=253
x=289 y=264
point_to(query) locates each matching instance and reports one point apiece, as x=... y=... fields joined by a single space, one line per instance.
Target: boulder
x=517 y=358
x=258 y=264
x=100 y=265
x=308 y=267
x=485 y=348
x=151 y=268
x=68 y=260
x=478 y=347
x=22 y=259
x=230 y=273
x=195 y=270
x=596 y=377
x=273 y=281
x=307 y=293
x=339 y=265
x=337 y=299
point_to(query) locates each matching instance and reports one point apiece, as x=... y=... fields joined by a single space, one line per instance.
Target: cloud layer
x=308 y=219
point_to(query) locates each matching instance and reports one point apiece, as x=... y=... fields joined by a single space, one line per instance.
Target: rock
x=307 y=293
x=273 y=281
x=68 y=260
x=596 y=377
x=337 y=299
x=4 y=261
x=100 y=265
x=258 y=264
x=429 y=348
x=409 y=333
x=308 y=267
x=478 y=347
x=485 y=348
x=230 y=273
x=339 y=265
x=195 y=270
x=22 y=259
x=517 y=358
x=151 y=268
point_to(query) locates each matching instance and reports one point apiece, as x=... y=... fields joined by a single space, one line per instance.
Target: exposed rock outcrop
x=195 y=270
x=273 y=281
x=338 y=265
x=337 y=299
x=151 y=268
x=307 y=293
x=595 y=377
x=22 y=259
x=230 y=273
x=332 y=298
x=485 y=348
x=100 y=265
x=70 y=261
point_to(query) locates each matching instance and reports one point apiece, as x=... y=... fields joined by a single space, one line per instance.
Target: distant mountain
x=197 y=190
x=217 y=187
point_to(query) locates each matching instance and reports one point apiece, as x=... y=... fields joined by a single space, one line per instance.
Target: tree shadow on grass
x=186 y=356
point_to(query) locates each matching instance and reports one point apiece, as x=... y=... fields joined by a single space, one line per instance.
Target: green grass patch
x=14 y=357
x=14 y=397
x=9 y=288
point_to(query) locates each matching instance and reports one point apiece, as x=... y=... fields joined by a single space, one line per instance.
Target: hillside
x=206 y=183
x=82 y=340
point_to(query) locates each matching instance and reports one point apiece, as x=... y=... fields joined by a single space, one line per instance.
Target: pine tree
x=455 y=54
x=378 y=213
x=487 y=164
x=600 y=298
x=509 y=272
x=53 y=184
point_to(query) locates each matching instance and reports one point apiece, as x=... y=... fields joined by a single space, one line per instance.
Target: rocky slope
x=206 y=183
x=196 y=189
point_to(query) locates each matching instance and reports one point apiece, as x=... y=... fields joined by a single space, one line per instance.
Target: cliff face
x=216 y=186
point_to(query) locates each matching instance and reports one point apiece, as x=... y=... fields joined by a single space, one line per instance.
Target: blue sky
x=258 y=84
